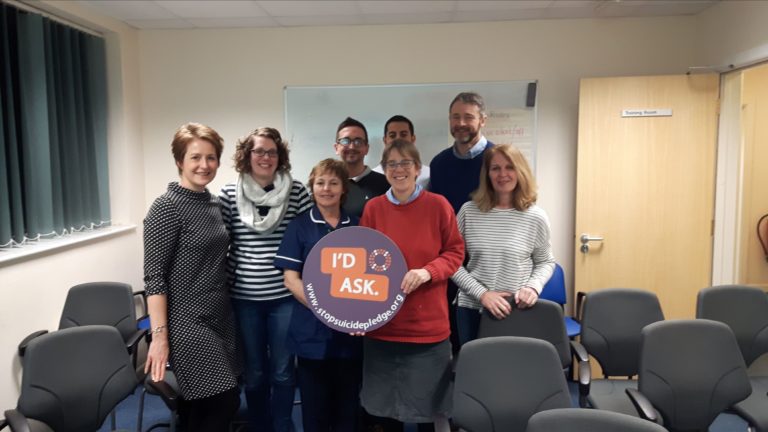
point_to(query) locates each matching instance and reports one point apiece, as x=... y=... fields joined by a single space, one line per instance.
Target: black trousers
x=330 y=392
x=211 y=414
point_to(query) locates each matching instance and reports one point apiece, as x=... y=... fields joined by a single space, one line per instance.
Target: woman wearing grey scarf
x=256 y=209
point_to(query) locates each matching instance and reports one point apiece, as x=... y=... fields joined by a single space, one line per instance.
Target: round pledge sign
x=352 y=279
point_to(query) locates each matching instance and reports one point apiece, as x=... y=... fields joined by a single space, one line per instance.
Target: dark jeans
x=451 y=292
x=269 y=367
x=384 y=424
x=468 y=322
x=211 y=414
x=329 y=394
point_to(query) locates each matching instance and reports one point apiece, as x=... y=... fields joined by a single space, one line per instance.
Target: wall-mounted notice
x=656 y=112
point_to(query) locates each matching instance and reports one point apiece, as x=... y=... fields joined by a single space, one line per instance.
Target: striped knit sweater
x=508 y=249
x=250 y=269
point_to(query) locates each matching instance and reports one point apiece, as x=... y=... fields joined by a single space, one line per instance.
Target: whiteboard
x=312 y=115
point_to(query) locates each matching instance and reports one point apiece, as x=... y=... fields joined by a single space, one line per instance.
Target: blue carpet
x=156 y=412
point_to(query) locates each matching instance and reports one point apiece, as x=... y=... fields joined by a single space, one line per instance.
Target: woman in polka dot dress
x=185 y=250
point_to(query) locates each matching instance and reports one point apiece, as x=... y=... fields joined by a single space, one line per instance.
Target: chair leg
x=113 y=418
x=140 y=420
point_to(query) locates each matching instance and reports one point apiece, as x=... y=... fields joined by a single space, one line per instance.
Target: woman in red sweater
x=407 y=363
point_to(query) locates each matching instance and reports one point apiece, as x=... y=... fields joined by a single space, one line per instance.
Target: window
x=53 y=138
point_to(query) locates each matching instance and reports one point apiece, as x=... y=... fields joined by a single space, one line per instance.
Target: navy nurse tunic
x=308 y=337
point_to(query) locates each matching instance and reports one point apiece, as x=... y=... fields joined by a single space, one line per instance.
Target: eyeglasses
x=348 y=141
x=261 y=153
x=405 y=164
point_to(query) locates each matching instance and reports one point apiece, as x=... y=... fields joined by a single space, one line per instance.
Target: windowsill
x=50 y=245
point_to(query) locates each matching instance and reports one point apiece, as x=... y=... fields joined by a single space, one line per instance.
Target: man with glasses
x=400 y=127
x=352 y=147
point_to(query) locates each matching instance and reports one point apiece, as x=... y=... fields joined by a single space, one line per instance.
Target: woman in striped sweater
x=506 y=237
x=256 y=210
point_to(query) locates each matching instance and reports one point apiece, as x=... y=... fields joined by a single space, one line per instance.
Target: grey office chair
x=502 y=381
x=611 y=322
x=72 y=379
x=690 y=371
x=745 y=310
x=588 y=420
x=542 y=321
x=169 y=392
x=100 y=303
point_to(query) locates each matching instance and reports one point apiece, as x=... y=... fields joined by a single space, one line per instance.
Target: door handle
x=585 y=239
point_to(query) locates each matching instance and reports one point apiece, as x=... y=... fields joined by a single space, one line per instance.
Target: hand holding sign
x=414 y=279
x=347 y=278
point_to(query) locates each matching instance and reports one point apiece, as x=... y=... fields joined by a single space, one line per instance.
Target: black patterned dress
x=185 y=250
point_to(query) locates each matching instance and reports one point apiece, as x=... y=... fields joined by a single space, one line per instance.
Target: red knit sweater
x=426 y=232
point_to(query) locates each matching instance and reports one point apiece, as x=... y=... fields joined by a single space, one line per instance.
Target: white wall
x=32 y=291
x=233 y=80
x=732 y=32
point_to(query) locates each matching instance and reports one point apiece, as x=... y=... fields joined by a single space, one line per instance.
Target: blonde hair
x=524 y=194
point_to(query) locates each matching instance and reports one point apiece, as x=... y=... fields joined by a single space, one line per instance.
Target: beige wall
x=732 y=32
x=33 y=290
x=233 y=80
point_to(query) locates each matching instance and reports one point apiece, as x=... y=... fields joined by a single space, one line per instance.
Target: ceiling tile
x=177 y=23
x=245 y=22
x=416 y=18
x=213 y=9
x=129 y=9
x=292 y=8
x=483 y=5
x=507 y=15
x=640 y=9
x=324 y=20
x=174 y=14
x=574 y=3
x=405 y=8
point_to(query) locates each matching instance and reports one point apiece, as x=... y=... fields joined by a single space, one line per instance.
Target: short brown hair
x=469 y=98
x=189 y=132
x=332 y=166
x=406 y=148
x=245 y=144
x=524 y=194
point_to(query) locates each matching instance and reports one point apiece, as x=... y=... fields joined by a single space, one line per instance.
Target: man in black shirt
x=352 y=146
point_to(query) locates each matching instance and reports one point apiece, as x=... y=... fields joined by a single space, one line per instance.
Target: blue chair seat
x=554 y=290
x=572 y=327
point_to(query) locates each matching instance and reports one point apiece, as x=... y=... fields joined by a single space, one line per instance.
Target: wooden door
x=646 y=186
x=753 y=268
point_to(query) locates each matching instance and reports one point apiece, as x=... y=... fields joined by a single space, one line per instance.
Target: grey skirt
x=409 y=382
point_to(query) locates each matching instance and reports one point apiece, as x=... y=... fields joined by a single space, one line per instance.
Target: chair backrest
x=542 y=321
x=744 y=309
x=611 y=322
x=691 y=371
x=73 y=378
x=502 y=381
x=554 y=289
x=100 y=303
x=588 y=420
